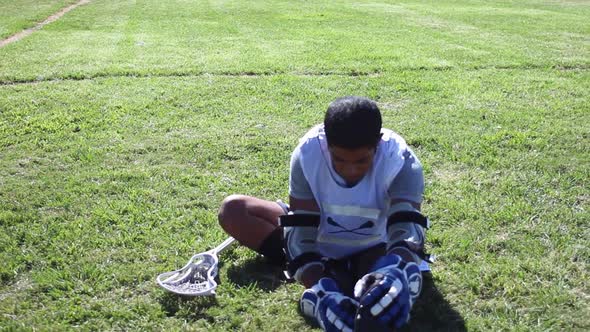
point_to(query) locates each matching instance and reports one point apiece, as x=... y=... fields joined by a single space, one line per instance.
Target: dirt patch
x=52 y=18
x=21 y=286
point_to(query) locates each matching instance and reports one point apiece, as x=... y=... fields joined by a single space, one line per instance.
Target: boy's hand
x=333 y=311
x=387 y=294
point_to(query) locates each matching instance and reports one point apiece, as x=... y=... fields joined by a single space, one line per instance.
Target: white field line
x=20 y=35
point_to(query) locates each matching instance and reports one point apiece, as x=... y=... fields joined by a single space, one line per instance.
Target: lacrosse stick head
x=196 y=278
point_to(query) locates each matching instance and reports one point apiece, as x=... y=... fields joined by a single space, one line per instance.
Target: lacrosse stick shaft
x=223 y=245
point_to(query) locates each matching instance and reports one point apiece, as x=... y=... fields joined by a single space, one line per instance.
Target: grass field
x=124 y=124
x=23 y=14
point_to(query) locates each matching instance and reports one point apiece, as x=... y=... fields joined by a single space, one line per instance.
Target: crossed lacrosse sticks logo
x=368 y=224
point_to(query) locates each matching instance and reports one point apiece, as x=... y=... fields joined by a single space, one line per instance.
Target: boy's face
x=352 y=164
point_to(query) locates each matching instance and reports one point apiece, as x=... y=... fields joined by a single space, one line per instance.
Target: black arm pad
x=299 y=220
x=408 y=216
x=406 y=231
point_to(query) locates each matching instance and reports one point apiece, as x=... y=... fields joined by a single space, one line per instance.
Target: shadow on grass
x=254 y=273
x=432 y=312
x=192 y=308
x=257 y=272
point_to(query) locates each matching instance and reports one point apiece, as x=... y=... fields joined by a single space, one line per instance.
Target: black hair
x=353 y=122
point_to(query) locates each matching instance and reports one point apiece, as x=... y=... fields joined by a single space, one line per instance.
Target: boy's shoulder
x=392 y=142
x=312 y=135
x=313 y=132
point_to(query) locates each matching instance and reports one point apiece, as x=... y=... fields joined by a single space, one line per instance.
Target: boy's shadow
x=432 y=312
x=257 y=272
x=191 y=308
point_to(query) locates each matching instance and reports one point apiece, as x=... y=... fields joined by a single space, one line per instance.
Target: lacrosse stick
x=197 y=277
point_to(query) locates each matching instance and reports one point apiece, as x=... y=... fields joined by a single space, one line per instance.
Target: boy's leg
x=349 y=270
x=254 y=223
x=362 y=262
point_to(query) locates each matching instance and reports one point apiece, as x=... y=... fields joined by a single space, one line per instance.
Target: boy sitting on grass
x=352 y=233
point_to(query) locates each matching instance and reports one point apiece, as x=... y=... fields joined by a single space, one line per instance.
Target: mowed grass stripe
x=196 y=75
x=17 y=15
x=107 y=182
x=54 y=17
x=231 y=37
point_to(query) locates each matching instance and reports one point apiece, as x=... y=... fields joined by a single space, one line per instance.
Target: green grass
x=22 y=14
x=124 y=124
x=128 y=38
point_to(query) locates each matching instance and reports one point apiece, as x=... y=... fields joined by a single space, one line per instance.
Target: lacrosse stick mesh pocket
x=196 y=278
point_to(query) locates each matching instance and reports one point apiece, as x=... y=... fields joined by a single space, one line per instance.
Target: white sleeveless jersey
x=352 y=219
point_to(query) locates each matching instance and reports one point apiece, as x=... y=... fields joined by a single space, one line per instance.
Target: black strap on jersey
x=299 y=220
x=408 y=216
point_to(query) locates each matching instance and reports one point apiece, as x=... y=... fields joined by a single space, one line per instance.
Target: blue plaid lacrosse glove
x=325 y=303
x=386 y=294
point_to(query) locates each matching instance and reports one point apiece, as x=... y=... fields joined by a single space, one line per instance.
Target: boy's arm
x=405 y=234
x=296 y=204
x=300 y=241
x=309 y=273
x=387 y=293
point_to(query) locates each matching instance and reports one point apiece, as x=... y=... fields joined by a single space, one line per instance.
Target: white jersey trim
x=351 y=210
x=333 y=239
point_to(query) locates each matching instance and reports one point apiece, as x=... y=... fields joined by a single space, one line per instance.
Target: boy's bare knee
x=231 y=208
